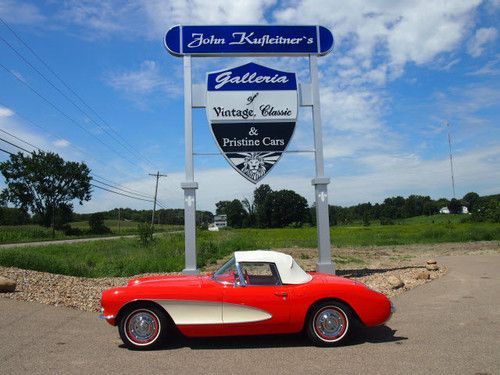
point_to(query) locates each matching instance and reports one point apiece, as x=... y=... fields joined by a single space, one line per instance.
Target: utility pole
x=451 y=160
x=157 y=175
x=119 y=218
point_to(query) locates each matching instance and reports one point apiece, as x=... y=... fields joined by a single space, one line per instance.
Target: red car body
x=220 y=306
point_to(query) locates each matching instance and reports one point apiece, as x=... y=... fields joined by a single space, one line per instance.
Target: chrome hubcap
x=142 y=327
x=330 y=323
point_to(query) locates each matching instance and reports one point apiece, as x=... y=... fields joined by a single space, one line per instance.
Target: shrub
x=68 y=230
x=386 y=221
x=145 y=231
x=96 y=224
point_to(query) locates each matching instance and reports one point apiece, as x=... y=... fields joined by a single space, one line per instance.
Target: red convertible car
x=255 y=292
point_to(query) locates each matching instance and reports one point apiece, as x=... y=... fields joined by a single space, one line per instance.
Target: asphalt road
x=449 y=326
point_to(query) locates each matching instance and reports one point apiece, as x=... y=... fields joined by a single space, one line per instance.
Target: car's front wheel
x=329 y=323
x=142 y=327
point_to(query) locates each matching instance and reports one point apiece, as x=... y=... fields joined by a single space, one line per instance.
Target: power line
x=7 y=152
x=99 y=187
x=116 y=138
x=121 y=189
x=19 y=139
x=12 y=144
x=125 y=195
x=115 y=183
x=66 y=115
x=76 y=148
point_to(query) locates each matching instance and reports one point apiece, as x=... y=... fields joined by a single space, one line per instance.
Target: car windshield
x=227 y=273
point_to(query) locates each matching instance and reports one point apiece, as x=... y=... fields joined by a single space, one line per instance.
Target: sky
x=92 y=81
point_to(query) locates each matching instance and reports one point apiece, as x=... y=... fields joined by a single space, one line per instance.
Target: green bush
x=386 y=221
x=96 y=224
x=145 y=231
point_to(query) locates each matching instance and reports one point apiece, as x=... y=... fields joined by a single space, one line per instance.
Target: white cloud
x=6 y=112
x=165 y=14
x=146 y=80
x=483 y=36
x=61 y=143
x=491 y=68
x=355 y=110
x=20 y=13
x=391 y=175
x=374 y=34
x=103 y=18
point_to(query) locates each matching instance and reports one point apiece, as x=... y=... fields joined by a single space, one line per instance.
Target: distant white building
x=220 y=221
x=445 y=210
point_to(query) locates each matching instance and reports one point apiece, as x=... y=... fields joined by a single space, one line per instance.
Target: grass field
x=30 y=233
x=125 y=257
x=435 y=219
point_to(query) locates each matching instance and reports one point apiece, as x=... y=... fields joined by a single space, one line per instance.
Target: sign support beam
x=189 y=186
x=320 y=182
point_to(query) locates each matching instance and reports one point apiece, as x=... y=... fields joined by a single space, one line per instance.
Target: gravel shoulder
x=404 y=262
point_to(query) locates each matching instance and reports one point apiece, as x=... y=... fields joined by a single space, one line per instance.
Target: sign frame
x=309 y=97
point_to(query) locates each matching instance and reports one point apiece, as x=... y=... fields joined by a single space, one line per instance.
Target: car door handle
x=281 y=294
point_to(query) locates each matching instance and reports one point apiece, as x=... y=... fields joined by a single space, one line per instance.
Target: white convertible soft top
x=290 y=272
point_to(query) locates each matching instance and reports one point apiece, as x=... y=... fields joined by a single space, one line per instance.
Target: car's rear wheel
x=329 y=323
x=143 y=327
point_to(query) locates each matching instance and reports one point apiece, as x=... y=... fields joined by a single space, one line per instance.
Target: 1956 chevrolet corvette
x=255 y=292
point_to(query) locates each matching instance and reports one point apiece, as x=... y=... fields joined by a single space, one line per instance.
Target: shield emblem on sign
x=252 y=110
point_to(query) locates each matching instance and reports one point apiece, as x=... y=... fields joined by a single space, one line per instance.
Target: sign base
x=325 y=268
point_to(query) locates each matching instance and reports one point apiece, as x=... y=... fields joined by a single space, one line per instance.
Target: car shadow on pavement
x=360 y=272
x=361 y=335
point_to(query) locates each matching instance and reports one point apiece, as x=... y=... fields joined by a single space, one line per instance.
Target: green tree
x=250 y=220
x=221 y=207
x=455 y=206
x=13 y=216
x=42 y=182
x=234 y=210
x=262 y=202
x=287 y=208
x=471 y=201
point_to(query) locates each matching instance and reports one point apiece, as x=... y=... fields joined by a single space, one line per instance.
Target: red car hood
x=332 y=279
x=172 y=280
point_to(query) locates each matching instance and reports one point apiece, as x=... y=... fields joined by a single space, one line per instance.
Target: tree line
x=171 y=216
x=42 y=187
x=272 y=209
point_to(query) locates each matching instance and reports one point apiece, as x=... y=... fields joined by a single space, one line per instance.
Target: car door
x=257 y=304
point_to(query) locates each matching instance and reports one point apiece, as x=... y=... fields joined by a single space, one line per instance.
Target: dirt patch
x=371 y=265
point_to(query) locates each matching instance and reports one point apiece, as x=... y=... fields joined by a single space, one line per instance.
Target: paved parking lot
x=449 y=326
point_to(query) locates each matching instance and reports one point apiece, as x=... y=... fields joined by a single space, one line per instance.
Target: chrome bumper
x=393 y=310
x=105 y=317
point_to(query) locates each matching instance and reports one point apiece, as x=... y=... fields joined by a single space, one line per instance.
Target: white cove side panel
x=243 y=314
x=204 y=312
x=193 y=312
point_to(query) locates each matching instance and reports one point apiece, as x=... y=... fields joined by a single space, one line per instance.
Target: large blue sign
x=248 y=40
